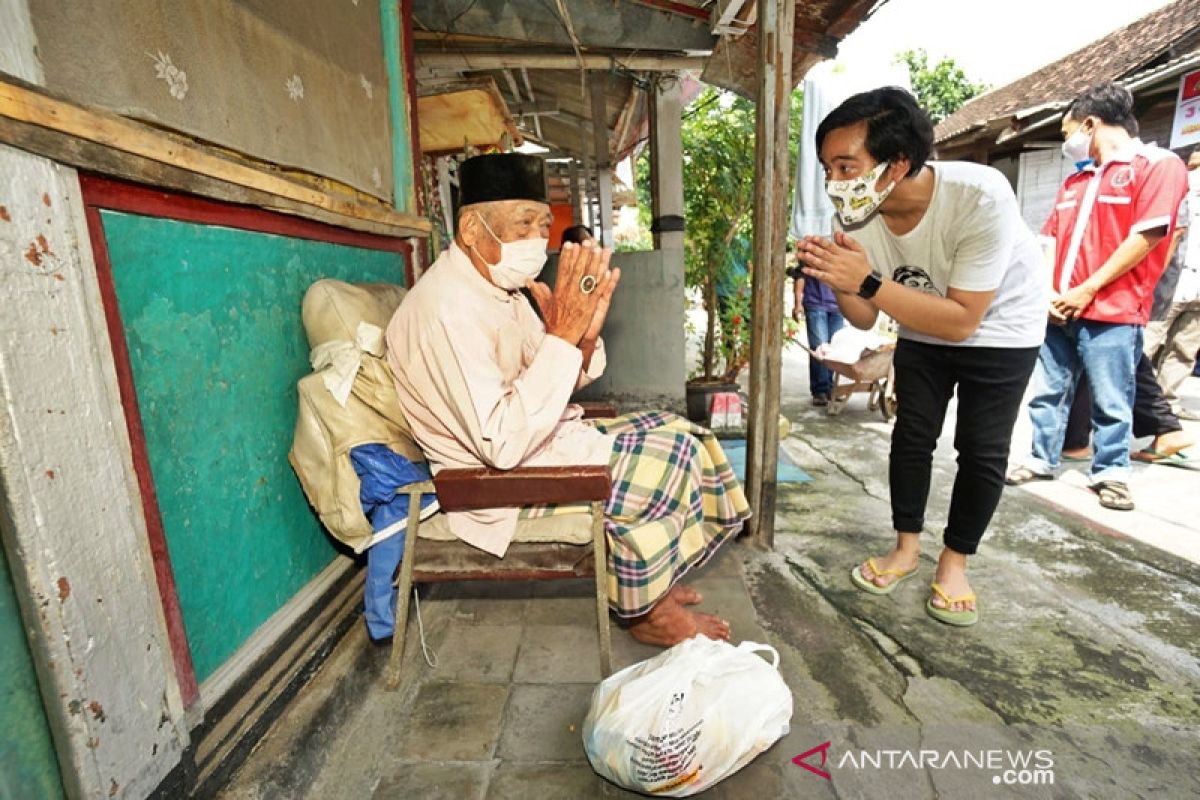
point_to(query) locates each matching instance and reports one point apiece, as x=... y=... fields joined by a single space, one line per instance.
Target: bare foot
x=685 y=595
x=897 y=559
x=711 y=626
x=669 y=623
x=951 y=575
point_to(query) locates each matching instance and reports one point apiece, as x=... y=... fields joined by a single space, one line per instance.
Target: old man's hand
x=584 y=285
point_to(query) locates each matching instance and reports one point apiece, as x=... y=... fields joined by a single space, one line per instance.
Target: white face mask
x=1077 y=148
x=855 y=199
x=520 y=261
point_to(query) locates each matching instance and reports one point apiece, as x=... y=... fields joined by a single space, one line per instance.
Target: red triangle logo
x=823 y=749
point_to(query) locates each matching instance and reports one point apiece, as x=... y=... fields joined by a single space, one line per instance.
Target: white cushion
x=565 y=529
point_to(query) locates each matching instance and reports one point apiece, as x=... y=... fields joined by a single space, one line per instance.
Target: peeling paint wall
x=72 y=526
x=69 y=520
x=212 y=322
x=71 y=516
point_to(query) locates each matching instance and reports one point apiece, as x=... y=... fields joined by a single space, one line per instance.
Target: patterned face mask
x=855 y=199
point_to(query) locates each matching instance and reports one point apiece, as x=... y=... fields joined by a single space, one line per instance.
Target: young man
x=1111 y=228
x=942 y=249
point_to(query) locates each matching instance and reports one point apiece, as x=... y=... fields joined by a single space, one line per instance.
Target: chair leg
x=392 y=676
x=600 y=556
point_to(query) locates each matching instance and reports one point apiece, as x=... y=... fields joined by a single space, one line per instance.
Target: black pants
x=990 y=382
x=1152 y=414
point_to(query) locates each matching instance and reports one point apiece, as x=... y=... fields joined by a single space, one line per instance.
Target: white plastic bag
x=678 y=723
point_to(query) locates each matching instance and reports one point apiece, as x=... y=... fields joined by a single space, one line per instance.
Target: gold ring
x=587 y=284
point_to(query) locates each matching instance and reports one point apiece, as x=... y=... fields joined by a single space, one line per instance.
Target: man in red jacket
x=1111 y=226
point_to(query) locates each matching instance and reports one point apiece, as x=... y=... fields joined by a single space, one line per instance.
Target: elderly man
x=483 y=382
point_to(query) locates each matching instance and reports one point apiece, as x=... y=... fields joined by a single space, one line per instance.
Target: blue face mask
x=1080 y=165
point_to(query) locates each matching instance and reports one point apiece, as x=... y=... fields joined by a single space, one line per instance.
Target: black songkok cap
x=501 y=176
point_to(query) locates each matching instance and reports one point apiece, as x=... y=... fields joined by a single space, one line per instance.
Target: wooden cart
x=872 y=372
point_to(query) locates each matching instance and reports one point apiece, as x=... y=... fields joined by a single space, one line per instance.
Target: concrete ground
x=1088 y=650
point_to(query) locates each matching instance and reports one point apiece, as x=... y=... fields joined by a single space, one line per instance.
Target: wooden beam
x=31 y=106
x=92 y=157
x=850 y=17
x=675 y=8
x=599 y=96
x=595 y=24
x=776 y=20
x=544 y=108
x=576 y=205
x=537 y=122
x=471 y=61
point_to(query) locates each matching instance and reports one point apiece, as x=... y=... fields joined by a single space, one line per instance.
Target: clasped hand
x=567 y=311
x=840 y=262
x=1069 y=306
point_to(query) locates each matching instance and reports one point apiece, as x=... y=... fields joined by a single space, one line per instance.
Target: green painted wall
x=212 y=320
x=28 y=766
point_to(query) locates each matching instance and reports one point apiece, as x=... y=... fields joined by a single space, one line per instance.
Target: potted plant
x=718 y=157
x=718 y=166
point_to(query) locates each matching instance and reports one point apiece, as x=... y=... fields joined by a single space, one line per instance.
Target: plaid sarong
x=674 y=501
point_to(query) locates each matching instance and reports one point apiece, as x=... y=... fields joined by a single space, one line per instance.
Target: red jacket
x=1098 y=208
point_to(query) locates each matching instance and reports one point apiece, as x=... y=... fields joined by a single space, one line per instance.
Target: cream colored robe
x=482 y=384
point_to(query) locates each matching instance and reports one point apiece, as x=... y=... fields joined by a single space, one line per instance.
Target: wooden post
x=776 y=23
x=666 y=159
x=599 y=93
x=576 y=203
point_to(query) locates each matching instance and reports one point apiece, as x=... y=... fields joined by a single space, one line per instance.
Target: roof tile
x=1109 y=58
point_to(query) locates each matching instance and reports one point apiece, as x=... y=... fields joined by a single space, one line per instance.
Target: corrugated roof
x=1114 y=56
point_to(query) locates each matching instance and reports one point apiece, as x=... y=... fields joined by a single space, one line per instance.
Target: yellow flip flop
x=870 y=587
x=962 y=619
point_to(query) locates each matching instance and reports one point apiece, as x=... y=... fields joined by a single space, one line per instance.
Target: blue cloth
x=733 y=272
x=383 y=473
x=820 y=327
x=818 y=296
x=1108 y=354
x=785 y=472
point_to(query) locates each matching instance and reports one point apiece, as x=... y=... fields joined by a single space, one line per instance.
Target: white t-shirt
x=972 y=238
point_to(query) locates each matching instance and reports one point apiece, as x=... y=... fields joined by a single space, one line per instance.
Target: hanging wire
x=430 y=657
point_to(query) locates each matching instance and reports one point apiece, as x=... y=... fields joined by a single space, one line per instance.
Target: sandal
x=869 y=586
x=1114 y=495
x=1022 y=475
x=1175 y=459
x=962 y=618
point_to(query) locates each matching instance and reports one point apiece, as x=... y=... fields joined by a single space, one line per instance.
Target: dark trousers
x=990 y=382
x=1152 y=414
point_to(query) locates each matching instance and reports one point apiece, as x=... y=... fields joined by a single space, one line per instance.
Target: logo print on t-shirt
x=1122 y=177
x=915 y=277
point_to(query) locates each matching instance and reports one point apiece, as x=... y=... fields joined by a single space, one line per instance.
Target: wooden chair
x=467 y=489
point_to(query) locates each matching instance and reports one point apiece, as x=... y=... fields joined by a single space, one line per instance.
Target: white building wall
x=1041 y=173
